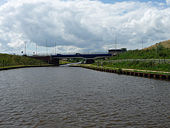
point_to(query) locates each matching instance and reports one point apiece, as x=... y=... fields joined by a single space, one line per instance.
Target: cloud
x=82 y=25
x=168 y=2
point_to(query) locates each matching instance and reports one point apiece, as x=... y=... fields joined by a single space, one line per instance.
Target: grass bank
x=123 y=69
x=14 y=61
x=159 y=52
x=137 y=65
x=153 y=58
x=62 y=62
x=24 y=66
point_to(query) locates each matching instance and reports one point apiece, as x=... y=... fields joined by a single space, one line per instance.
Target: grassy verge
x=13 y=66
x=61 y=62
x=165 y=67
x=124 y=69
x=24 y=66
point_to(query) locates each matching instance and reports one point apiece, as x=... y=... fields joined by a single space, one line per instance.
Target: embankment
x=8 y=62
x=147 y=74
x=25 y=66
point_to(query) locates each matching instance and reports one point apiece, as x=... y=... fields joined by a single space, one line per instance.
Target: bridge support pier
x=54 y=61
x=48 y=59
x=89 y=61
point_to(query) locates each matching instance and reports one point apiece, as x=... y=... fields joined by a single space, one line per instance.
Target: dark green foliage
x=12 y=60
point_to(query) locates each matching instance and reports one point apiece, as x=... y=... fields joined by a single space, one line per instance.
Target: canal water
x=72 y=97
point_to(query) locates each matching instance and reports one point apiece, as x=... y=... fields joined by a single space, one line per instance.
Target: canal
x=73 y=97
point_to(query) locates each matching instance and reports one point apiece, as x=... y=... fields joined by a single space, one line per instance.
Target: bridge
x=54 y=59
x=78 y=55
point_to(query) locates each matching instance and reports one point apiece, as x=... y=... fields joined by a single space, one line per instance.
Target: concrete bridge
x=54 y=59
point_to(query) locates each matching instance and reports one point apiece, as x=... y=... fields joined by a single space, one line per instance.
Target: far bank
x=140 y=73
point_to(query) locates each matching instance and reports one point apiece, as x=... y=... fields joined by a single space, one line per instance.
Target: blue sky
x=112 y=1
x=2 y=1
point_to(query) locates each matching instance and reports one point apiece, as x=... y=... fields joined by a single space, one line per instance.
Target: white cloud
x=168 y=2
x=81 y=24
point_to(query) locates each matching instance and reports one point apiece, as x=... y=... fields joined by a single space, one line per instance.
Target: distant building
x=117 y=51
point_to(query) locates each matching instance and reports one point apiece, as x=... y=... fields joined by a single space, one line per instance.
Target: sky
x=113 y=1
x=81 y=26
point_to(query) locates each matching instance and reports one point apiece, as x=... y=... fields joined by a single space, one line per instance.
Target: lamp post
x=142 y=44
x=55 y=48
x=25 y=47
x=36 y=48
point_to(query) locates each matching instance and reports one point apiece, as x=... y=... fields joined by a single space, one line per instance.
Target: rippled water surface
x=65 y=97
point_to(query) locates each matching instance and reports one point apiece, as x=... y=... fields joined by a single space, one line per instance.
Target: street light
x=25 y=42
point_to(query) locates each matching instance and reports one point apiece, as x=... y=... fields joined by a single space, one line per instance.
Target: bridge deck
x=81 y=55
